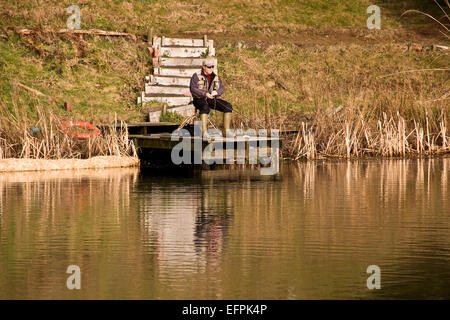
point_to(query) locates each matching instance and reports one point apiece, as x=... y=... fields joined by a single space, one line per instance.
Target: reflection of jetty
x=156 y=141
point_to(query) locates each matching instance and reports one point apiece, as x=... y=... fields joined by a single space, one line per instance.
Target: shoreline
x=98 y=162
x=111 y=162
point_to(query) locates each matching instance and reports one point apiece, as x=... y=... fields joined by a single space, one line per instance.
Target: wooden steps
x=175 y=60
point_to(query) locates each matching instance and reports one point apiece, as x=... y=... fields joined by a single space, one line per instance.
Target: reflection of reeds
x=67 y=215
x=351 y=210
x=49 y=142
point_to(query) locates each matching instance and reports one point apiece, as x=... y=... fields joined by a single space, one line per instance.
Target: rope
x=212 y=123
x=187 y=120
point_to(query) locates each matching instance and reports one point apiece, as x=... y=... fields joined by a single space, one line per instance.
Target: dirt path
x=327 y=37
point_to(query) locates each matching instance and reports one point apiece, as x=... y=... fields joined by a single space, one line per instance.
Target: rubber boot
x=227 y=124
x=204 y=119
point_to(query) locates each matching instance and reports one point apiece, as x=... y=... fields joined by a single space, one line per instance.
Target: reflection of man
x=205 y=87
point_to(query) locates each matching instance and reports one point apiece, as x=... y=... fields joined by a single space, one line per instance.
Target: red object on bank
x=68 y=106
x=93 y=130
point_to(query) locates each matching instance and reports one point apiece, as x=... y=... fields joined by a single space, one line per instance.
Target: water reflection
x=53 y=219
x=391 y=213
x=309 y=232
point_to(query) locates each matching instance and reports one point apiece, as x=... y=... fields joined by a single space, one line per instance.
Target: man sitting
x=205 y=88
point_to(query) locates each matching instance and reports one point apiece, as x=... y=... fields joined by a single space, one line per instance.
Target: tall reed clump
x=351 y=133
x=22 y=136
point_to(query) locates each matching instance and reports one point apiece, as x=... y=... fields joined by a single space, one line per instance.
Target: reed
x=40 y=137
x=354 y=135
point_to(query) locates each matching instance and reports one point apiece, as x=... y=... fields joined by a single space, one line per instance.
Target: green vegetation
x=169 y=116
x=92 y=75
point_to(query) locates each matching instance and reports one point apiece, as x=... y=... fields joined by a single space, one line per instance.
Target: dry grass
x=17 y=139
x=353 y=134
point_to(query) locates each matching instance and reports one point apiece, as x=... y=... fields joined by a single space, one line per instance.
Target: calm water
x=308 y=233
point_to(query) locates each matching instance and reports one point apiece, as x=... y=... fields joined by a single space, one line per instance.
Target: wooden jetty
x=155 y=143
x=174 y=61
x=158 y=148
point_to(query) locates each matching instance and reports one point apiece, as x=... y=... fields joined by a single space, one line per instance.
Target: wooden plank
x=182 y=62
x=215 y=140
x=247 y=139
x=186 y=72
x=166 y=89
x=96 y=32
x=182 y=52
x=36 y=92
x=148 y=124
x=183 y=72
x=171 y=101
x=139 y=124
x=161 y=141
x=171 y=42
x=172 y=81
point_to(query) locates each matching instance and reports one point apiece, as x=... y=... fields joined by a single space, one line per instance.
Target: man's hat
x=208 y=62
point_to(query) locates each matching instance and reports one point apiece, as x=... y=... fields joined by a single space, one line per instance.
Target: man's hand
x=209 y=96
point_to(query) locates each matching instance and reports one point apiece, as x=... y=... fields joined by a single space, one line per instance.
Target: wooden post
x=155 y=62
x=205 y=40
x=247 y=152
x=211 y=50
x=156 y=43
x=150 y=35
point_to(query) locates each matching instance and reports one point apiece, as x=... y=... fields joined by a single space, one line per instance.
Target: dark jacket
x=197 y=93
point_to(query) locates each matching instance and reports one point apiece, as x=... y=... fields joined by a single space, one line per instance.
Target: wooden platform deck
x=237 y=150
x=156 y=141
x=168 y=141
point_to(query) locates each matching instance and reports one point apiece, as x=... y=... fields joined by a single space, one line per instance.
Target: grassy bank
x=343 y=94
x=286 y=64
